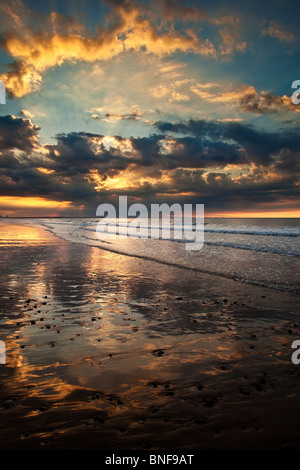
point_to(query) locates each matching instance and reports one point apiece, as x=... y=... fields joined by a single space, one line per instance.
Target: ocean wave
x=166 y=252
x=255 y=230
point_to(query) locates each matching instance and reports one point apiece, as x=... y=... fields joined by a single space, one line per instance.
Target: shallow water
x=264 y=252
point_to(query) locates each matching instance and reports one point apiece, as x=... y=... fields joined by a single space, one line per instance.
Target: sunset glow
x=158 y=100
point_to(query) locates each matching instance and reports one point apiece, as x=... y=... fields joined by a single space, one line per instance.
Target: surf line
x=163 y=218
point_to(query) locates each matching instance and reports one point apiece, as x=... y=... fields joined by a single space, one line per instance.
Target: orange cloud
x=62 y=39
x=275 y=30
x=230 y=41
x=247 y=98
x=36 y=53
x=21 y=79
x=176 y=96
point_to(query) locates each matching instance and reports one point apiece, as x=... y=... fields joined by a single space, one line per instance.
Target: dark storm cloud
x=78 y=153
x=17 y=133
x=265 y=102
x=195 y=152
x=259 y=146
x=184 y=158
x=148 y=148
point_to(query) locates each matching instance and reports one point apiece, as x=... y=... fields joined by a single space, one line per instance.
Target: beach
x=109 y=351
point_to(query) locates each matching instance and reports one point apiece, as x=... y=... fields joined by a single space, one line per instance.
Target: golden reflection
x=39 y=380
x=15 y=234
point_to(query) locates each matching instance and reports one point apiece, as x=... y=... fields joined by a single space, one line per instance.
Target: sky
x=164 y=101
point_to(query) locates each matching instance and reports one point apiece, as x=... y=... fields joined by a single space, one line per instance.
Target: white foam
x=260 y=255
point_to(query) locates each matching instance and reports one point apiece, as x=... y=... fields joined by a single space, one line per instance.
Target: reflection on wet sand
x=108 y=351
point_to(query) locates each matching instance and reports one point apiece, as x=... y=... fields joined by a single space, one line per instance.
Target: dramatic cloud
x=217 y=163
x=265 y=102
x=245 y=98
x=156 y=99
x=17 y=133
x=259 y=147
x=38 y=43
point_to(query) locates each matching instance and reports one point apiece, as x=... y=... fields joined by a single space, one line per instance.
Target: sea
x=264 y=252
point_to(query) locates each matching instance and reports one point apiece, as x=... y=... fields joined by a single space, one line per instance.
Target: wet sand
x=112 y=352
